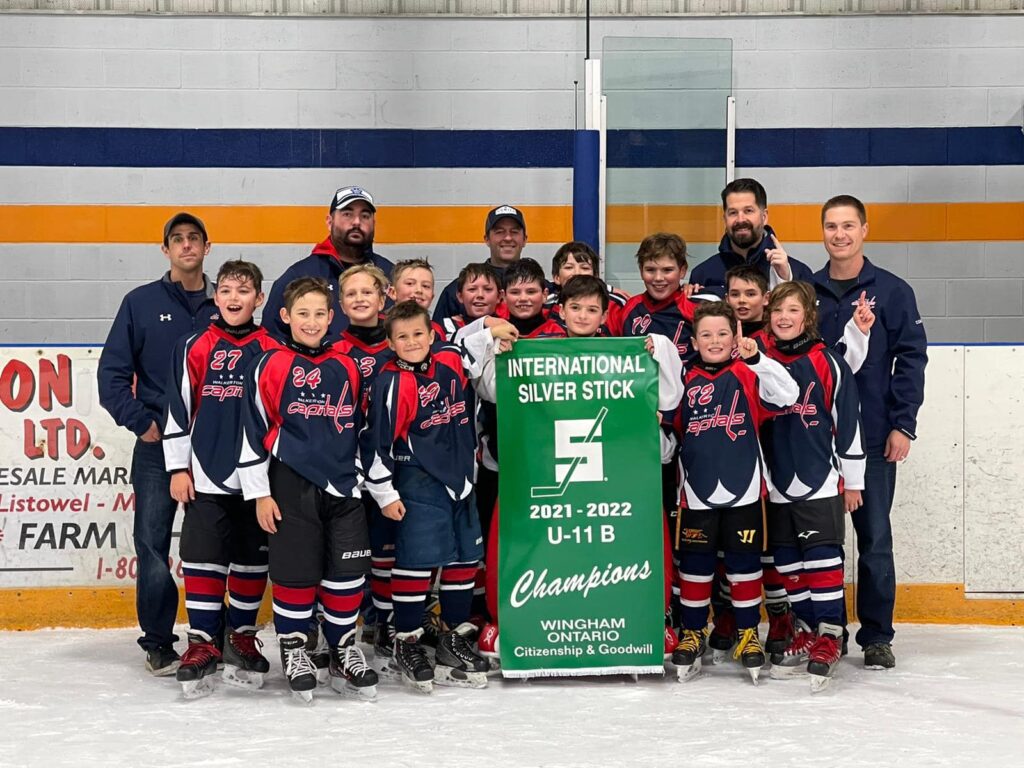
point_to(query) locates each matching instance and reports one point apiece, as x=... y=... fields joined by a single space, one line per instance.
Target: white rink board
x=66 y=504
x=994 y=470
x=957 y=500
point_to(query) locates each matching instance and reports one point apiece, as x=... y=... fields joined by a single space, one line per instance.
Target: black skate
x=384 y=654
x=824 y=655
x=350 y=674
x=687 y=656
x=456 y=663
x=723 y=635
x=792 y=662
x=780 y=628
x=411 y=658
x=319 y=653
x=298 y=667
x=750 y=653
x=195 y=673
x=244 y=665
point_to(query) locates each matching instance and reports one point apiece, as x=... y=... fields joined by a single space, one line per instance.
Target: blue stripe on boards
x=373 y=148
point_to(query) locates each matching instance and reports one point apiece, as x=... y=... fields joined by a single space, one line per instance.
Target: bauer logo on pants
x=578 y=455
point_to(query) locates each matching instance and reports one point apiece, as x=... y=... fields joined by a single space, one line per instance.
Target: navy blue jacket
x=891 y=381
x=151 y=320
x=322 y=262
x=711 y=273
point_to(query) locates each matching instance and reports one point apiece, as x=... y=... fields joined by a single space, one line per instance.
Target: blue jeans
x=876 y=571
x=156 y=595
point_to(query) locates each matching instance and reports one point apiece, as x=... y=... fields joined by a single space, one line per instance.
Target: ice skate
x=723 y=636
x=411 y=658
x=456 y=664
x=350 y=674
x=319 y=653
x=750 y=653
x=299 y=669
x=383 y=662
x=487 y=646
x=780 y=627
x=671 y=641
x=244 y=665
x=824 y=655
x=687 y=656
x=792 y=662
x=195 y=672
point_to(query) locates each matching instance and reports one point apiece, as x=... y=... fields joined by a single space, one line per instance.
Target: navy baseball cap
x=183 y=218
x=504 y=212
x=345 y=196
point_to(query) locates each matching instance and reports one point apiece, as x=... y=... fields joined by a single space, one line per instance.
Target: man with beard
x=748 y=240
x=350 y=225
x=505 y=238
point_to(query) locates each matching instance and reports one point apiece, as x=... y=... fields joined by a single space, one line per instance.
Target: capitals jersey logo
x=366 y=366
x=303 y=378
x=805 y=408
x=429 y=392
x=704 y=422
x=641 y=324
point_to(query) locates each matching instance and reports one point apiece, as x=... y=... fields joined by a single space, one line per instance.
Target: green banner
x=580 y=560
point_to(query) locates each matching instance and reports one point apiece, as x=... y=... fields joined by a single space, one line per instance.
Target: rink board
x=66 y=555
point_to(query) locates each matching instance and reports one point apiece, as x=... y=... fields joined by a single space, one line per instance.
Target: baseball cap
x=183 y=218
x=504 y=212
x=345 y=196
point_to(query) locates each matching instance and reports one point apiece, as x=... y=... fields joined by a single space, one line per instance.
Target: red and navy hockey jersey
x=422 y=414
x=303 y=406
x=203 y=420
x=718 y=425
x=672 y=317
x=815 y=447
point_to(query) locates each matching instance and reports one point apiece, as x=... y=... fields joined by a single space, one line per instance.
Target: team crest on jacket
x=704 y=421
x=429 y=392
x=804 y=408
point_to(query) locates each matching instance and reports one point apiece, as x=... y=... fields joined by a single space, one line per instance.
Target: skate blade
x=686 y=674
x=303 y=697
x=820 y=683
x=197 y=689
x=323 y=676
x=346 y=689
x=386 y=670
x=456 y=678
x=755 y=674
x=779 y=672
x=242 y=678
x=420 y=686
x=719 y=656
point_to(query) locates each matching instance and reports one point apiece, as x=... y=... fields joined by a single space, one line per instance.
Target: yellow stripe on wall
x=889 y=222
x=25 y=609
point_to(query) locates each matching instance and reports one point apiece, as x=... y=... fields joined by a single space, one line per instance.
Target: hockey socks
x=457 y=581
x=790 y=565
x=246 y=585
x=774 y=588
x=409 y=589
x=743 y=570
x=696 y=571
x=380 y=585
x=293 y=609
x=340 y=601
x=205 y=584
x=823 y=572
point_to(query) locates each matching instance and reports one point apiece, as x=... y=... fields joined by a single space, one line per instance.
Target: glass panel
x=666 y=145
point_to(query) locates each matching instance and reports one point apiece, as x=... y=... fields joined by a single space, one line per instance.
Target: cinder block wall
x=67 y=259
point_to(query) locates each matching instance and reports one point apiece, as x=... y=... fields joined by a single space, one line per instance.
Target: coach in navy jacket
x=749 y=240
x=351 y=220
x=134 y=368
x=891 y=386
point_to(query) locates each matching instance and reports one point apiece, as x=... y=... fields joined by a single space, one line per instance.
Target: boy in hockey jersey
x=420 y=445
x=571 y=259
x=664 y=307
x=479 y=291
x=816 y=463
x=222 y=546
x=300 y=461
x=413 y=280
x=746 y=291
x=524 y=288
x=718 y=424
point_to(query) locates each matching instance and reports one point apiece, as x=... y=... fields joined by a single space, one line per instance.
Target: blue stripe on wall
x=370 y=148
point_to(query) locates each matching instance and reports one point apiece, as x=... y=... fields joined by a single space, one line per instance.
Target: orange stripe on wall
x=889 y=222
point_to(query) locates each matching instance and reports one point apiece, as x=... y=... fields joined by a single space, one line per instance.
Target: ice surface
x=956 y=698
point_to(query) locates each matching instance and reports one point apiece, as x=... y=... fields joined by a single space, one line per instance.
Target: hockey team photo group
x=345 y=450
